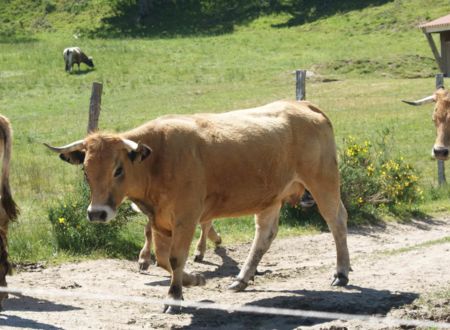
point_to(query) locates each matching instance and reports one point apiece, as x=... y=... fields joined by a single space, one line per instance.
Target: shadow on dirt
x=19 y=322
x=228 y=267
x=422 y=222
x=353 y=300
x=31 y=304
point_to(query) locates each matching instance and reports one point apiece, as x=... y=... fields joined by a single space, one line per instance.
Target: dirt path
x=393 y=266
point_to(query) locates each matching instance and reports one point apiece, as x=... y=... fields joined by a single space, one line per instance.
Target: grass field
x=372 y=58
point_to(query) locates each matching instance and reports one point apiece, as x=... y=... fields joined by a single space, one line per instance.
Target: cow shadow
x=81 y=72
x=31 y=304
x=355 y=300
x=19 y=322
x=228 y=267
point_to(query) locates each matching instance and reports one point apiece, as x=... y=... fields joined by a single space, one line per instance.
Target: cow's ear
x=74 y=157
x=141 y=153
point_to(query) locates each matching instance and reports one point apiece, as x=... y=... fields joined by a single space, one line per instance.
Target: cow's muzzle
x=440 y=153
x=100 y=213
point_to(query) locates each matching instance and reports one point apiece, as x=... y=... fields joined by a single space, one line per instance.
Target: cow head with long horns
x=108 y=161
x=441 y=119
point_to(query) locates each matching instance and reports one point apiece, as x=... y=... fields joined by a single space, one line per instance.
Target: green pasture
x=364 y=63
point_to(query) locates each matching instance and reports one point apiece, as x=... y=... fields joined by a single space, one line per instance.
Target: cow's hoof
x=339 y=280
x=170 y=309
x=143 y=266
x=238 y=286
x=218 y=241
x=198 y=258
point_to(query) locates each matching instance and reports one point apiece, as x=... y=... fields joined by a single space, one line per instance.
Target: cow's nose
x=99 y=215
x=440 y=152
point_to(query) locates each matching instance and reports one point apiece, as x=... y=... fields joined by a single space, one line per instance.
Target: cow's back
x=251 y=156
x=241 y=159
x=72 y=55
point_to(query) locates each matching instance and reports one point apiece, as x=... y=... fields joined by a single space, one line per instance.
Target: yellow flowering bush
x=371 y=179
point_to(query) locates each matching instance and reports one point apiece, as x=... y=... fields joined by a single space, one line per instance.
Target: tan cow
x=8 y=208
x=441 y=119
x=184 y=170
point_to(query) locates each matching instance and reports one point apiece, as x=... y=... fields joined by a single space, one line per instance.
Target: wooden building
x=441 y=26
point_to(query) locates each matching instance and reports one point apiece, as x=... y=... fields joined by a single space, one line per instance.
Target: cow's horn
x=77 y=145
x=130 y=145
x=425 y=100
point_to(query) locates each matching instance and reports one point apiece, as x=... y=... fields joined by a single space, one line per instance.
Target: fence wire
x=251 y=309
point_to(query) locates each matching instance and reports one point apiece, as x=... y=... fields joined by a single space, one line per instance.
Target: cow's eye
x=118 y=172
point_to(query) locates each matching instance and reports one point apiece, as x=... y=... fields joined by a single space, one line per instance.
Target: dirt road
x=398 y=270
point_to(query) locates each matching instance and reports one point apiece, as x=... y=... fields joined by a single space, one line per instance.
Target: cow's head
x=108 y=162
x=90 y=62
x=441 y=119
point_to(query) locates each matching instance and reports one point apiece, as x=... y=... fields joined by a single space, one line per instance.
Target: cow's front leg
x=266 y=224
x=182 y=236
x=145 y=254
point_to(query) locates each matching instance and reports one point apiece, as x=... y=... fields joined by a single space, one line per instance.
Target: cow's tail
x=68 y=54
x=7 y=201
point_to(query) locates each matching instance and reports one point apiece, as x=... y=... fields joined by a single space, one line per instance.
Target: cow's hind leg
x=333 y=211
x=266 y=224
x=214 y=236
x=145 y=254
x=201 y=244
x=207 y=231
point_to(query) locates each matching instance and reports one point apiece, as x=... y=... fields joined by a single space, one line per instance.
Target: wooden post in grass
x=440 y=163
x=300 y=86
x=94 y=107
x=306 y=200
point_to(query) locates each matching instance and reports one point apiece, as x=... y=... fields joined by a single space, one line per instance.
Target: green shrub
x=75 y=234
x=371 y=180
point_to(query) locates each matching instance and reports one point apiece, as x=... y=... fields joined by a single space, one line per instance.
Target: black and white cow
x=74 y=55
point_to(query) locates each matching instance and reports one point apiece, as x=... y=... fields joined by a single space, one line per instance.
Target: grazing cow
x=74 y=55
x=440 y=118
x=8 y=208
x=184 y=170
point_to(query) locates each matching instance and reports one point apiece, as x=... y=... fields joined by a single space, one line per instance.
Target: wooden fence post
x=300 y=86
x=440 y=163
x=306 y=200
x=94 y=107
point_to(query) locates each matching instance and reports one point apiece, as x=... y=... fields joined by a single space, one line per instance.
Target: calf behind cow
x=184 y=170
x=8 y=208
x=74 y=55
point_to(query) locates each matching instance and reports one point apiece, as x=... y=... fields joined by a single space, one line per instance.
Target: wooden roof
x=440 y=24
